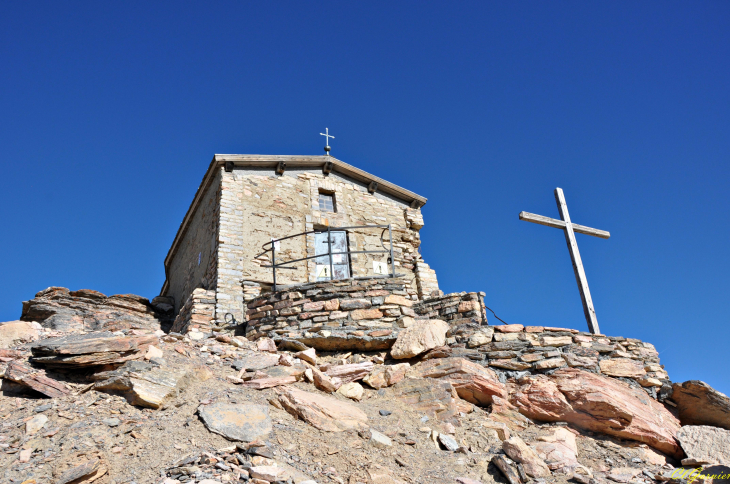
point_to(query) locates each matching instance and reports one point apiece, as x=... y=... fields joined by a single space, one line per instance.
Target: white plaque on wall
x=380 y=267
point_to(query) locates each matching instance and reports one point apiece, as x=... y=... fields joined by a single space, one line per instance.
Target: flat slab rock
x=35 y=379
x=342 y=341
x=241 y=422
x=256 y=361
x=322 y=412
x=86 y=310
x=435 y=398
x=92 y=349
x=700 y=404
x=704 y=444
x=144 y=384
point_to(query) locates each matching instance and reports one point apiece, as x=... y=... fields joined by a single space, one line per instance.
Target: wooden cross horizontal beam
x=559 y=224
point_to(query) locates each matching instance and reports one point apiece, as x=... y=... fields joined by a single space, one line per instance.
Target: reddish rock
x=266 y=344
x=360 y=314
x=509 y=328
x=435 y=398
x=559 y=449
x=622 y=367
x=322 y=412
x=35 y=379
x=472 y=382
x=93 y=349
x=519 y=451
x=599 y=404
x=350 y=373
x=386 y=375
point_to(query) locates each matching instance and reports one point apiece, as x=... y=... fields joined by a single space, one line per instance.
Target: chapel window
x=327 y=202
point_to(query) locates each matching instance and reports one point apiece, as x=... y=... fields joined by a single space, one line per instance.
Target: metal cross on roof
x=327 y=136
x=570 y=229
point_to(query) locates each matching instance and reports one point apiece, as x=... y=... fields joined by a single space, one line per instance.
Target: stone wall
x=257 y=205
x=368 y=315
x=359 y=314
x=197 y=312
x=454 y=307
x=539 y=349
x=194 y=263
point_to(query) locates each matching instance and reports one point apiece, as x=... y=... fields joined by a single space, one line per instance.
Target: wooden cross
x=570 y=229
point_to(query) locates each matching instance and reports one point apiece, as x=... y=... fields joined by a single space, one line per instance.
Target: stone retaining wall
x=367 y=315
x=514 y=348
x=346 y=310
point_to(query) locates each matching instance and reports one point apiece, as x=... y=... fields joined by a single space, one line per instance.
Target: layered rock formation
x=86 y=310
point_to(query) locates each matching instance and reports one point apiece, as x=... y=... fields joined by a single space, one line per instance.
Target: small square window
x=327 y=202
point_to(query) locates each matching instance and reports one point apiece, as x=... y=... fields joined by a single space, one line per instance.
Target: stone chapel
x=215 y=264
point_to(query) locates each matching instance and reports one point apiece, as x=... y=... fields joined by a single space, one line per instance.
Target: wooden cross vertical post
x=570 y=230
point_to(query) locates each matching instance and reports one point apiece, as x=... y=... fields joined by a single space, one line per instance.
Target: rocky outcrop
x=599 y=404
x=472 y=382
x=700 y=404
x=322 y=412
x=421 y=336
x=86 y=310
x=93 y=349
x=704 y=445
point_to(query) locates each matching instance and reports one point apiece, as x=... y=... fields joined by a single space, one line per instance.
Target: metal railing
x=272 y=248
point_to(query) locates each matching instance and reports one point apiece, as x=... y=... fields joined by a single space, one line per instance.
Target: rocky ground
x=141 y=406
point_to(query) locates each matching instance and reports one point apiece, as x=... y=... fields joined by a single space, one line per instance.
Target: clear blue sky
x=111 y=112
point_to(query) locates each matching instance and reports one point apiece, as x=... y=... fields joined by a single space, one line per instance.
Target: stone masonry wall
x=540 y=349
x=197 y=312
x=257 y=206
x=454 y=307
x=361 y=314
x=368 y=315
x=194 y=263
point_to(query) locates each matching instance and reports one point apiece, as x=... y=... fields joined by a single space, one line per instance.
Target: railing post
x=392 y=259
x=273 y=261
x=329 y=252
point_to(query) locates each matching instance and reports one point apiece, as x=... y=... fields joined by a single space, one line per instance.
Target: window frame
x=330 y=194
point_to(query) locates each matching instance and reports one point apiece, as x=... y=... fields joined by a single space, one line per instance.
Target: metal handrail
x=272 y=248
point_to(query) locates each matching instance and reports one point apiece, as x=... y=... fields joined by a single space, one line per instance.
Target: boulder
x=504 y=465
x=13 y=333
x=310 y=356
x=242 y=422
x=320 y=411
x=386 y=375
x=705 y=445
x=144 y=384
x=599 y=404
x=92 y=349
x=351 y=390
x=481 y=337
x=472 y=382
x=700 y=404
x=421 y=336
x=520 y=452
x=559 y=449
x=86 y=310
x=269 y=473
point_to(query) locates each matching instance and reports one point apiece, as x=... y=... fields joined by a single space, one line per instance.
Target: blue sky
x=111 y=112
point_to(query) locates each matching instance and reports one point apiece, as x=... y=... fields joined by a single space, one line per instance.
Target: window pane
x=326 y=202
